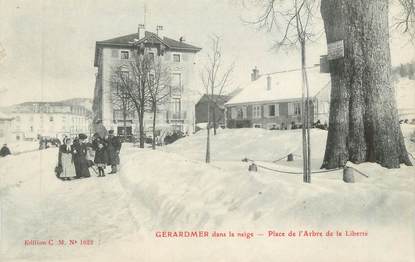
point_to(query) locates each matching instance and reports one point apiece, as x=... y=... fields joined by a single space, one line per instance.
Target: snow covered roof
x=284 y=87
x=4 y=116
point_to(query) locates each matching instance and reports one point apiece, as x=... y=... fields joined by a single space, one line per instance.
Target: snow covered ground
x=173 y=190
x=23 y=146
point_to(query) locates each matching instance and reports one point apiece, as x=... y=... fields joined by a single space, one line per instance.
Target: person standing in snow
x=101 y=158
x=113 y=149
x=66 y=160
x=5 y=151
x=80 y=151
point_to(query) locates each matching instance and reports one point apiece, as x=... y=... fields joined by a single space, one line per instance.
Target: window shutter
x=277 y=109
x=290 y=109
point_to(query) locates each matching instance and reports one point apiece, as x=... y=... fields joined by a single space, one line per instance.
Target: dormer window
x=176 y=58
x=124 y=55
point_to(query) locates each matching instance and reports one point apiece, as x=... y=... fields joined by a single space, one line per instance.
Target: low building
x=275 y=102
x=6 y=122
x=216 y=108
x=51 y=119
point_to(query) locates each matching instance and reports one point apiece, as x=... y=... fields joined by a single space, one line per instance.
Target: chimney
x=159 y=30
x=141 y=31
x=268 y=83
x=182 y=39
x=254 y=74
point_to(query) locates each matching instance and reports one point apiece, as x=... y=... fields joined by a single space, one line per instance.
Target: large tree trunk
x=364 y=124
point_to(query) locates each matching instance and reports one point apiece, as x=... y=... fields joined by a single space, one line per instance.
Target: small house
x=274 y=102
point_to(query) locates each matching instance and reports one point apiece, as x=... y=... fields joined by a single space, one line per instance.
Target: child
x=101 y=158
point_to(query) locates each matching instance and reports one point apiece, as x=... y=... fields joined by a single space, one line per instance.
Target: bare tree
x=293 y=22
x=215 y=77
x=405 y=21
x=120 y=98
x=158 y=91
x=136 y=83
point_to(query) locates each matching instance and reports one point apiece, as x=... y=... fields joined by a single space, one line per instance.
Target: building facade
x=6 y=135
x=275 y=103
x=50 y=119
x=179 y=57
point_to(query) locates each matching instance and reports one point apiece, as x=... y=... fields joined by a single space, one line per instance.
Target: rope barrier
x=291 y=172
x=300 y=173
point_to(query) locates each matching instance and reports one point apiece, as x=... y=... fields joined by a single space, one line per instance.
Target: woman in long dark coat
x=80 y=161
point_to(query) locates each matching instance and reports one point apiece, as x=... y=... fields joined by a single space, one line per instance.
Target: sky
x=47 y=46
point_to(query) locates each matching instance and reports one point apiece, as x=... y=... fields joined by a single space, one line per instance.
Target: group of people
x=77 y=156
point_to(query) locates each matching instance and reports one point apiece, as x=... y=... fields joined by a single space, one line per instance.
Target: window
x=297 y=109
x=234 y=113
x=176 y=84
x=124 y=55
x=176 y=58
x=244 y=112
x=256 y=111
x=240 y=113
x=176 y=105
x=272 y=110
x=176 y=80
x=151 y=56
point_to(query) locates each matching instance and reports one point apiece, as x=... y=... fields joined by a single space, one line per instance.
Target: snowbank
x=173 y=189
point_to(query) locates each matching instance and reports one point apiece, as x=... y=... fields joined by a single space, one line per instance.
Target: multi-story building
x=178 y=56
x=275 y=103
x=6 y=135
x=52 y=119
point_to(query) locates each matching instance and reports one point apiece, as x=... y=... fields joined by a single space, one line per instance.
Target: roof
x=285 y=86
x=221 y=99
x=4 y=116
x=127 y=40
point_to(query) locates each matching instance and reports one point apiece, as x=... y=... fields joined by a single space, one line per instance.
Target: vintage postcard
x=207 y=130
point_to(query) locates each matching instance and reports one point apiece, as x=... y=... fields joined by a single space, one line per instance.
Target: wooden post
x=348 y=175
x=252 y=168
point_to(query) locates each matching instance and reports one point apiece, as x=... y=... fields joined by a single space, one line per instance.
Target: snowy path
x=37 y=206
